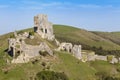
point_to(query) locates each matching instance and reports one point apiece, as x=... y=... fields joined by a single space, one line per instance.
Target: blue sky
x=95 y=15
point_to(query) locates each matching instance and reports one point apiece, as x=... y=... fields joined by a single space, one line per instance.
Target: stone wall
x=43 y=27
x=65 y=47
x=100 y=57
x=29 y=51
x=88 y=56
x=23 y=52
x=26 y=52
x=74 y=50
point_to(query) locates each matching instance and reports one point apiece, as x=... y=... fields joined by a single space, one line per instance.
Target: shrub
x=43 y=64
x=48 y=67
x=105 y=76
x=12 y=36
x=31 y=33
x=43 y=53
x=109 y=58
x=50 y=75
x=20 y=32
x=5 y=72
x=34 y=61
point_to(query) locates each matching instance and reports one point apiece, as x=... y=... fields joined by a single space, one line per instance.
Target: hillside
x=112 y=36
x=76 y=35
x=62 y=61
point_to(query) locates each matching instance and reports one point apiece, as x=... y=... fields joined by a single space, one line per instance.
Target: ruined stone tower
x=43 y=27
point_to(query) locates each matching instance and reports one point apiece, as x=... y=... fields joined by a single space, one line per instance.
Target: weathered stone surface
x=114 y=60
x=23 y=53
x=31 y=37
x=43 y=27
x=45 y=47
x=65 y=47
x=57 y=42
x=84 y=58
x=100 y=57
x=23 y=58
x=88 y=56
x=17 y=45
x=26 y=52
x=91 y=57
x=26 y=34
x=76 y=50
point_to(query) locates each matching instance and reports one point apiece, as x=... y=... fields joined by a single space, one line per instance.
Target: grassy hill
x=76 y=35
x=112 y=36
x=62 y=61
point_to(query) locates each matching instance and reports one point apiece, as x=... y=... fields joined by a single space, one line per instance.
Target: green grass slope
x=62 y=62
x=76 y=35
x=112 y=36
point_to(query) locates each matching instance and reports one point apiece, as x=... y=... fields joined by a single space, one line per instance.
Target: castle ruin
x=23 y=53
x=75 y=50
x=43 y=27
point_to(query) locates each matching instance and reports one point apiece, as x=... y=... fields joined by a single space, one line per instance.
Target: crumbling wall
x=76 y=50
x=29 y=51
x=65 y=47
x=22 y=52
x=43 y=27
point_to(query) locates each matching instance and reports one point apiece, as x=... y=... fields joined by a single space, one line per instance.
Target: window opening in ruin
x=11 y=51
x=35 y=29
x=45 y=30
x=70 y=50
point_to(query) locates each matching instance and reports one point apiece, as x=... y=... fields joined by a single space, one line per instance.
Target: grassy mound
x=62 y=61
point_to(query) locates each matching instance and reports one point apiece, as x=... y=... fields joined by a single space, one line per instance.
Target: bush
x=43 y=64
x=51 y=75
x=43 y=53
x=34 y=61
x=12 y=36
x=31 y=33
x=5 y=72
x=105 y=76
x=109 y=58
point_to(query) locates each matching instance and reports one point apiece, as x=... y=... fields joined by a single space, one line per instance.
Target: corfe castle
x=23 y=53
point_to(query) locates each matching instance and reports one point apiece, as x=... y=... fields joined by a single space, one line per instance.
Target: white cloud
x=94 y=6
x=59 y=5
x=38 y=5
x=32 y=7
x=89 y=6
x=30 y=2
x=51 y=4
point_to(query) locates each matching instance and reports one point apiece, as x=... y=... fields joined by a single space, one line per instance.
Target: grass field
x=62 y=62
x=75 y=35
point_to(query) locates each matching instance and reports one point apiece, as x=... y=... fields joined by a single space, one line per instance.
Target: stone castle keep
x=23 y=52
x=43 y=27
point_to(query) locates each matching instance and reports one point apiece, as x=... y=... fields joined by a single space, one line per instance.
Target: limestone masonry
x=43 y=27
x=23 y=52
